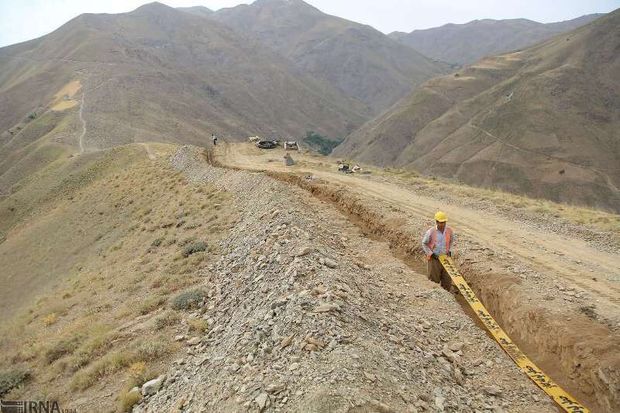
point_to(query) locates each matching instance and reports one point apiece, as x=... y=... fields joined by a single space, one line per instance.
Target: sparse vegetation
x=169 y=318
x=197 y=325
x=147 y=350
x=50 y=319
x=188 y=300
x=128 y=399
x=596 y=219
x=97 y=344
x=100 y=297
x=61 y=348
x=9 y=379
x=321 y=144
x=151 y=304
x=194 y=247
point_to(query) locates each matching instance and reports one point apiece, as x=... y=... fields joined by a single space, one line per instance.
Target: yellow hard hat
x=441 y=216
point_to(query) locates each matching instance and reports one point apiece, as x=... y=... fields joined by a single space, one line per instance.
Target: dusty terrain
x=94 y=250
x=160 y=277
x=312 y=293
x=310 y=314
x=552 y=283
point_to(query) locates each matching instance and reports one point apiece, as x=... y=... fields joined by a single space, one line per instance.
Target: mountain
x=544 y=121
x=356 y=59
x=156 y=74
x=197 y=10
x=466 y=43
x=165 y=64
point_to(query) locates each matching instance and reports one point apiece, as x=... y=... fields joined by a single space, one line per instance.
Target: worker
x=437 y=241
x=214 y=139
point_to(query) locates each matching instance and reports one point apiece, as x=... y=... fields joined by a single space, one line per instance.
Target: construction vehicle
x=266 y=144
x=344 y=168
x=291 y=146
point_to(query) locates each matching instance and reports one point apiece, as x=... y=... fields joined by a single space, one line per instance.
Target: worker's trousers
x=438 y=274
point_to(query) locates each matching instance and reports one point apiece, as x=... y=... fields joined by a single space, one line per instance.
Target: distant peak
x=201 y=8
x=153 y=7
x=279 y=1
x=197 y=10
x=298 y=6
x=300 y=3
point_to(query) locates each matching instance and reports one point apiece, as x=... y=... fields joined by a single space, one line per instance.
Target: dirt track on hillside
x=557 y=296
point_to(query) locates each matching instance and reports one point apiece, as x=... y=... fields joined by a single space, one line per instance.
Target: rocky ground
x=306 y=313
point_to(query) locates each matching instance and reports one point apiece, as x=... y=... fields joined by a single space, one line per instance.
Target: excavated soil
x=581 y=355
x=578 y=349
x=309 y=312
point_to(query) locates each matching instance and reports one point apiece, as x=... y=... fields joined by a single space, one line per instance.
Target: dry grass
x=50 y=319
x=593 y=218
x=99 y=314
x=197 y=325
x=64 y=98
x=127 y=400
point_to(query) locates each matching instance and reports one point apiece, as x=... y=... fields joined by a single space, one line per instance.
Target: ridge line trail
x=81 y=138
x=568 y=258
x=81 y=112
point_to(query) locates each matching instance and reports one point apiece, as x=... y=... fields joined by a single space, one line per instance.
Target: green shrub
x=194 y=248
x=321 y=144
x=188 y=300
x=9 y=379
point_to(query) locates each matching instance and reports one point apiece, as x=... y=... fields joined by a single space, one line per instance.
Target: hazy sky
x=22 y=20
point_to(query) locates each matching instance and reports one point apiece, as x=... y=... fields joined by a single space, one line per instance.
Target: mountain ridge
x=119 y=47
x=356 y=59
x=153 y=74
x=541 y=122
x=466 y=43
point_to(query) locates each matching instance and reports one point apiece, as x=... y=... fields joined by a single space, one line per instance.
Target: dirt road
x=557 y=295
x=569 y=260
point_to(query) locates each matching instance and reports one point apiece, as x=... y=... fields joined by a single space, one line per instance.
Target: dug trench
x=578 y=353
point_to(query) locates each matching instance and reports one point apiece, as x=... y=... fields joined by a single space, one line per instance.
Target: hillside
x=356 y=59
x=464 y=44
x=144 y=269
x=197 y=10
x=92 y=248
x=542 y=122
x=156 y=74
x=197 y=274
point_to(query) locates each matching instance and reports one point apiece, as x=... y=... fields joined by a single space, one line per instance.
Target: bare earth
x=557 y=295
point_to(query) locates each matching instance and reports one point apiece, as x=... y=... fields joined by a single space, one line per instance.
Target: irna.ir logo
x=32 y=406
